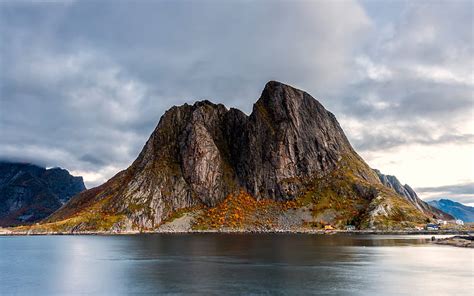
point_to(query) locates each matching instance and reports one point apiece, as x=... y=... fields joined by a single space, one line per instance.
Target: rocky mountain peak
x=289 y=148
x=280 y=102
x=276 y=93
x=291 y=135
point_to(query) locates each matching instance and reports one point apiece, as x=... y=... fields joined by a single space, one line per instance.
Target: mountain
x=29 y=193
x=410 y=194
x=455 y=209
x=287 y=165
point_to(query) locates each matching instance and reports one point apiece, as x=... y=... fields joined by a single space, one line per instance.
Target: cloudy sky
x=83 y=83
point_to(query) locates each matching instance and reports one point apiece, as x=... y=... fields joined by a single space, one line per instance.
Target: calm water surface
x=228 y=264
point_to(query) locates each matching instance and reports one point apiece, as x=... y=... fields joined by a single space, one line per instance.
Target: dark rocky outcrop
x=410 y=194
x=464 y=241
x=289 y=147
x=29 y=193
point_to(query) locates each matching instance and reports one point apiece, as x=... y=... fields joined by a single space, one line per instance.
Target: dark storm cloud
x=84 y=83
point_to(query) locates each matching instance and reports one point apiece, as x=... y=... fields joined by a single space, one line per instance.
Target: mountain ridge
x=29 y=193
x=456 y=209
x=290 y=152
x=410 y=194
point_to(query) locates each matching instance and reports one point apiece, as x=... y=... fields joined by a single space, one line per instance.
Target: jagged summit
x=278 y=94
x=291 y=135
x=290 y=148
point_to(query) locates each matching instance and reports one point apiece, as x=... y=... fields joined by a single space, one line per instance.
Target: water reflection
x=233 y=264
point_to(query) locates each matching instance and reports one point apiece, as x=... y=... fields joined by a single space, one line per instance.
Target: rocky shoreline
x=466 y=241
x=458 y=233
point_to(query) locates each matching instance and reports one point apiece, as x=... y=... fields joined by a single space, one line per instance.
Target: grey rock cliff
x=410 y=194
x=288 y=137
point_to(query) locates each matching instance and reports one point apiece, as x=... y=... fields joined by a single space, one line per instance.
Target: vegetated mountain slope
x=287 y=165
x=410 y=194
x=29 y=193
x=455 y=209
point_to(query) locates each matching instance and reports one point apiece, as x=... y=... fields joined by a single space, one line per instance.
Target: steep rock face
x=184 y=163
x=290 y=137
x=410 y=194
x=290 y=147
x=29 y=193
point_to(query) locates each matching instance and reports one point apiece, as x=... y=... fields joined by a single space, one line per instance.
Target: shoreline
x=461 y=241
x=6 y=232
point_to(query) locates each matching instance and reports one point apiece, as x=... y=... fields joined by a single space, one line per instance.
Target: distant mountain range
x=457 y=210
x=29 y=193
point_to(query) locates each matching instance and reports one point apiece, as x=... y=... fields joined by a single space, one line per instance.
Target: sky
x=84 y=83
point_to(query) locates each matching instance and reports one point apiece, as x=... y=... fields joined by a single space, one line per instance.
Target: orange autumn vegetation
x=239 y=211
